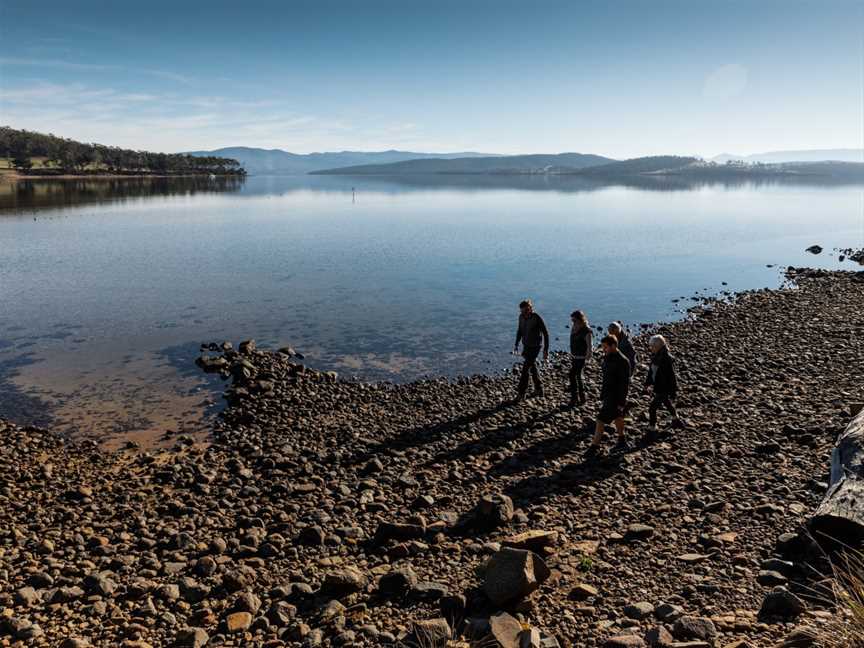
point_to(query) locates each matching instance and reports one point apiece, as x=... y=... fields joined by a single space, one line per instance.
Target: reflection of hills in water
x=38 y=194
x=575 y=184
x=59 y=193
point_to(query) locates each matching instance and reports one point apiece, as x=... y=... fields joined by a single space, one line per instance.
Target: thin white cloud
x=73 y=65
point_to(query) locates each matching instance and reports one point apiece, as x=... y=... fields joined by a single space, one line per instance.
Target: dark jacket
x=616 y=379
x=581 y=342
x=530 y=330
x=661 y=373
x=625 y=347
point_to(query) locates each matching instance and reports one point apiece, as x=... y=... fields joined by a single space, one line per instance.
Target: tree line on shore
x=63 y=155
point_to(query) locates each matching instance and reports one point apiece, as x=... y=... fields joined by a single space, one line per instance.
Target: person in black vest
x=531 y=331
x=624 y=344
x=581 y=346
x=613 y=394
x=661 y=376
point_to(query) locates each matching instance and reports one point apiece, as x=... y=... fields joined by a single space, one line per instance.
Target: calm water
x=108 y=288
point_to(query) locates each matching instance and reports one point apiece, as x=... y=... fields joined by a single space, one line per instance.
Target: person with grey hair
x=661 y=376
x=624 y=344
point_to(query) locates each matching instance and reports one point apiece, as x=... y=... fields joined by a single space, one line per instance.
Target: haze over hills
x=775 y=157
x=538 y=163
x=278 y=162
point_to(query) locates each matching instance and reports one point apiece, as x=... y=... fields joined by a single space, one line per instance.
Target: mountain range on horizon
x=779 y=157
x=280 y=162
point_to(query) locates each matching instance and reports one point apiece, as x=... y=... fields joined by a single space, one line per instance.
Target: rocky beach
x=330 y=513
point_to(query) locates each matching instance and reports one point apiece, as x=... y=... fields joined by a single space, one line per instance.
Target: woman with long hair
x=581 y=348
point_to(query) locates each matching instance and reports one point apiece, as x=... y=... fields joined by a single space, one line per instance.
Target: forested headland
x=29 y=153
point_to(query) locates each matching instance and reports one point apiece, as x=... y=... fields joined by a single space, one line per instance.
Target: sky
x=618 y=78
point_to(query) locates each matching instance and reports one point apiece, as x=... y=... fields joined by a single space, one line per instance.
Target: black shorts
x=608 y=413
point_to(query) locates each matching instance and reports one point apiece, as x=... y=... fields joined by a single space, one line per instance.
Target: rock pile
x=332 y=513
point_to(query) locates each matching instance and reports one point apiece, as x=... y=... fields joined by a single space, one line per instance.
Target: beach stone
x=535 y=540
x=624 y=641
x=513 y=574
x=344 y=581
x=434 y=633
x=238 y=622
x=639 y=610
x=493 y=511
x=637 y=532
x=692 y=627
x=780 y=602
x=505 y=629
x=192 y=638
x=659 y=637
x=397 y=582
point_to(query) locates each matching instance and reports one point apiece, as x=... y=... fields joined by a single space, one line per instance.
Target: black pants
x=577 y=386
x=530 y=366
x=660 y=399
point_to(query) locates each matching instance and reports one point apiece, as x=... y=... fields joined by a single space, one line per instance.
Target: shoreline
x=18 y=177
x=313 y=488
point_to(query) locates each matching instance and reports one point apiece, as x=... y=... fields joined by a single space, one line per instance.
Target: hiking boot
x=593 y=451
x=651 y=434
x=518 y=399
x=678 y=424
x=537 y=394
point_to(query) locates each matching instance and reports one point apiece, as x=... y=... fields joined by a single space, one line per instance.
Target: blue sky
x=615 y=78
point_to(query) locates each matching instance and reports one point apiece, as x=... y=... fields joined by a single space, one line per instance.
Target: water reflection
x=29 y=195
x=59 y=193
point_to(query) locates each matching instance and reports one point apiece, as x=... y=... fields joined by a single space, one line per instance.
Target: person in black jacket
x=624 y=344
x=581 y=347
x=661 y=376
x=531 y=330
x=613 y=394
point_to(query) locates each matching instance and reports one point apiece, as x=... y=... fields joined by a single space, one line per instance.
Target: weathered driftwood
x=840 y=516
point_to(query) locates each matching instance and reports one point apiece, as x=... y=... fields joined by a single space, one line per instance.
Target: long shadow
x=425 y=434
x=534 y=489
x=507 y=433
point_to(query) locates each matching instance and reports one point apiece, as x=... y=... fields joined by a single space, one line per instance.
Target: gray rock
x=692 y=627
x=780 y=602
x=493 y=511
x=397 y=582
x=505 y=629
x=192 y=638
x=513 y=574
x=434 y=633
x=639 y=610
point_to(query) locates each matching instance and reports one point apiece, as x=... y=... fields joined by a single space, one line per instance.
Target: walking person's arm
x=545 y=333
x=518 y=336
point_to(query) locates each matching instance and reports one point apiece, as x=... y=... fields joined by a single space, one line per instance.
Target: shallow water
x=108 y=288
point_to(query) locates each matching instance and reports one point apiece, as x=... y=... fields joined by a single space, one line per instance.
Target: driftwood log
x=840 y=516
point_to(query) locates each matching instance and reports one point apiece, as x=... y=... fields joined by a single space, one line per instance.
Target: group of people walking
x=618 y=367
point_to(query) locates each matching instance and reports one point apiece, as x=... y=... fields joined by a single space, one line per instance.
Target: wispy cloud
x=60 y=64
x=164 y=121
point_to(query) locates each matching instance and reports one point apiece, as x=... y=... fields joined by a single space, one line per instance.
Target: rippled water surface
x=108 y=288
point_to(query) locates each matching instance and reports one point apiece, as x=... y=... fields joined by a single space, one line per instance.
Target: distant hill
x=279 y=162
x=635 y=166
x=505 y=164
x=776 y=157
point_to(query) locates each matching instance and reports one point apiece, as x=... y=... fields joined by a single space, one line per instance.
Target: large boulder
x=513 y=574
